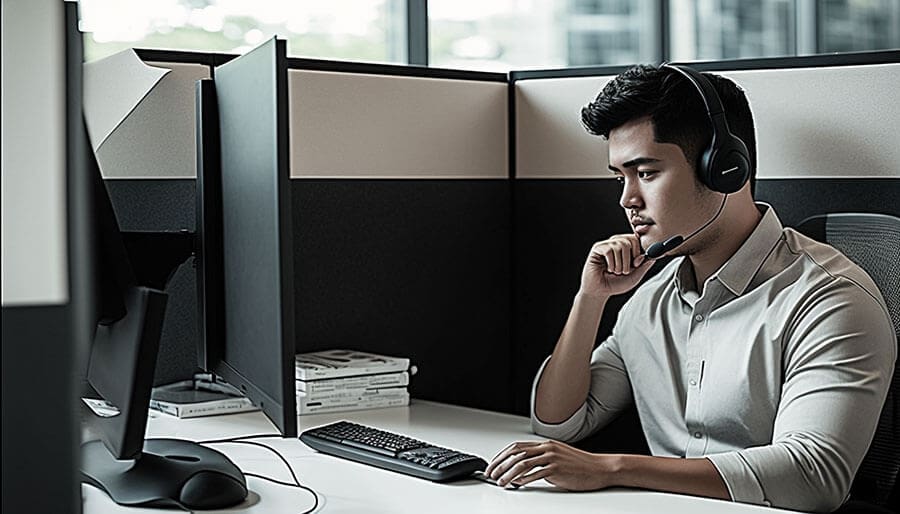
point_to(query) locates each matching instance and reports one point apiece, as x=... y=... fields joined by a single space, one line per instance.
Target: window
x=522 y=34
x=855 y=25
x=731 y=29
x=498 y=35
x=361 y=30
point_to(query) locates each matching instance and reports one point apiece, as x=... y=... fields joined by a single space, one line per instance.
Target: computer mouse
x=213 y=490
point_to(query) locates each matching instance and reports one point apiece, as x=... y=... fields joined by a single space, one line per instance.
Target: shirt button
x=693 y=382
x=698 y=317
x=697 y=435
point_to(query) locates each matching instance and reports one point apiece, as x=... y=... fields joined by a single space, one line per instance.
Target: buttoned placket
x=696 y=352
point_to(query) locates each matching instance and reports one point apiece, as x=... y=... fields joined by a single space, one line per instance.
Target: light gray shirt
x=777 y=373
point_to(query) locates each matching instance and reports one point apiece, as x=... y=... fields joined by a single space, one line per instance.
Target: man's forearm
x=697 y=477
x=566 y=379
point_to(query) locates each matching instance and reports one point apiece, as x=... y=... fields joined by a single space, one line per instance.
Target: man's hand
x=614 y=266
x=555 y=462
x=576 y=470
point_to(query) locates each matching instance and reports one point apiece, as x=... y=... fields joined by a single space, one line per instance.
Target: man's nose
x=631 y=197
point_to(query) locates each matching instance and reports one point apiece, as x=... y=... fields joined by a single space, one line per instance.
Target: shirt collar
x=740 y=269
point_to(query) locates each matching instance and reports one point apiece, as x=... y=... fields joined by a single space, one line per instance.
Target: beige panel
x=811 y=122
x=348 y=125
x=113 y=87
x=157 y=140
x=33 y=154
x=825 y=122
x=551 y=142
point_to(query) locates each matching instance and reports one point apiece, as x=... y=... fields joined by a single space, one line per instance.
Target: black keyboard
x=391 y=451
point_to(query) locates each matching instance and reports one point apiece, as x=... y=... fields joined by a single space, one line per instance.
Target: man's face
x=661 y=195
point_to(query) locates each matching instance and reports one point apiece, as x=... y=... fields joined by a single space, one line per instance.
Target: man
x=758 y=360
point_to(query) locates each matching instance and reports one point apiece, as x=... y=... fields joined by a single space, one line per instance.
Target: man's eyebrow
x=634 y=163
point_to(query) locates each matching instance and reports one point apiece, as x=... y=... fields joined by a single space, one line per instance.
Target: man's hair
x=675 y=108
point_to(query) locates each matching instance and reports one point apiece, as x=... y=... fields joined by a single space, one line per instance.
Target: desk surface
x=348 y=487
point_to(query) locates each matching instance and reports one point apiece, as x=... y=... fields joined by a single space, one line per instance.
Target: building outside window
x=500 y=35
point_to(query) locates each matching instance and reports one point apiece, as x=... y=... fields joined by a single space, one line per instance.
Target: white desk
x=348 y=487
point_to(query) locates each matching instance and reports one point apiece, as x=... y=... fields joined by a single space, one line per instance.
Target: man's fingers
x=504 y=466
x=617 y=256
x=531 y=477
x=523 y=467
x=511 y=449
x=635 y=247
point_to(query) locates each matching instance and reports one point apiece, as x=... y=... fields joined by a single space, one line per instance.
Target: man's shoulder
x=829 y=264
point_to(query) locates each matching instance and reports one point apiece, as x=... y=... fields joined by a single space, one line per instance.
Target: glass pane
x=731 y=29
x=499 y=35
x=362 y=30
x=855 y=25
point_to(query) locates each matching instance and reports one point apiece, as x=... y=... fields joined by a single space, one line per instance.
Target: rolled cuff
x=739 y=478
x=566 y=430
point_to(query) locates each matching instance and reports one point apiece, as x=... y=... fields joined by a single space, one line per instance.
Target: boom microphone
x=661 y=248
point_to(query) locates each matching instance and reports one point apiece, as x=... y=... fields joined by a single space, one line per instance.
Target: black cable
x=244 y=440
x=241 y=438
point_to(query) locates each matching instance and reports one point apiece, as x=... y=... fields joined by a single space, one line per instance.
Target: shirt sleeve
x=609 y=394
x=839 y=355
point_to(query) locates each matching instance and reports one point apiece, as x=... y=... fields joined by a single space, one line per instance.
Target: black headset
x=725 y=164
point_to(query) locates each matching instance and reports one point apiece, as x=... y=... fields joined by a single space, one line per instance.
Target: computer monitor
x=125 y=316
x=245 y=253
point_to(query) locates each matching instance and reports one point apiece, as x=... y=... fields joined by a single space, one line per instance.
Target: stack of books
x=203 y=395
x=343 y=380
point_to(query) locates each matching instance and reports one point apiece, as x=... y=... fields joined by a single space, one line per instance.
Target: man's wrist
x=591 y=297
x=618 y=467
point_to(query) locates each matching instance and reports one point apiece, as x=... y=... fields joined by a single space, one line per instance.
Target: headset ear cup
x=705 y=167
x=730 y=167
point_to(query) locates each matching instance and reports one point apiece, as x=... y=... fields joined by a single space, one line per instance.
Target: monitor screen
x=245 y=257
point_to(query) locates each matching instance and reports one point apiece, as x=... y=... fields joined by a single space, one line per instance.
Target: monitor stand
x=168 y=473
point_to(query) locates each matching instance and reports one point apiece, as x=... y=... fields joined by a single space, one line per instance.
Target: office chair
x=873 y=242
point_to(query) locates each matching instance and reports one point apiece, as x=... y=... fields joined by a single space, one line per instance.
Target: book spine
x=193 y=411
x=316 y=407
x=319 y=374
x=354 y=383
x=311 y=372
x=352 y=395
x=375 y=395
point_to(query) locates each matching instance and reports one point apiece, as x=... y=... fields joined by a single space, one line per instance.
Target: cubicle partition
x=401 y=221
x=400 y=200
x=446 y=215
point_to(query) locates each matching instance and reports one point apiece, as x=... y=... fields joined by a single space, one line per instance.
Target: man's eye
x=646 y=174
x=620 y=179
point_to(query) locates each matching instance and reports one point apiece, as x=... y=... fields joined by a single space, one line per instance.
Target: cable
x=241 y=438
x=296 y=483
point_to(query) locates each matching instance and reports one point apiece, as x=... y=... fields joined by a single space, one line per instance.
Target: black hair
x=674 y=106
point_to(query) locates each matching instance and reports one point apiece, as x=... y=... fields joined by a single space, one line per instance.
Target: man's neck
x=740 y=224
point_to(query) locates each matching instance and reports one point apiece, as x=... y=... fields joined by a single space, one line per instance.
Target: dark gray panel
x=161 y=205
x=39 y=411
x=555 y=224
x=416 y=268
x=796 y=200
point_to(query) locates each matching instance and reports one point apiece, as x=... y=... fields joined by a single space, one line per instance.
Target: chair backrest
x=873 y=242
